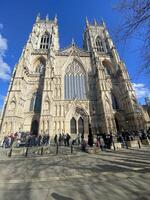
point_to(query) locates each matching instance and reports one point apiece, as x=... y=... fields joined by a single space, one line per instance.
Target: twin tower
x=54 y=90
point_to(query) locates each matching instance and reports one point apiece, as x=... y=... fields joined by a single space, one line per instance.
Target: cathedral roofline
x=73 y=48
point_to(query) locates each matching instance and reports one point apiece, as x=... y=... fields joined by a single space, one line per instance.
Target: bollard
x=114 y=146
x=41 y=151
x=57 y=149
x=71 y=149
x=101 y=146
x=10 y=153
x=26 y=154
x=139 y=144
x=126 y=142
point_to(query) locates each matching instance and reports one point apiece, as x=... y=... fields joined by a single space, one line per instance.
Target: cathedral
x=55 y=90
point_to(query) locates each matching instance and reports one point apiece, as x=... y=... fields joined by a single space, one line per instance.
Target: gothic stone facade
x=64 y=90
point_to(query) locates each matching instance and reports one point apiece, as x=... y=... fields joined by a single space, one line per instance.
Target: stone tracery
x=75 y=82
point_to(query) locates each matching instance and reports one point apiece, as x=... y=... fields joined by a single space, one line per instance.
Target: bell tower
x=97 y=40
x=23 y=108
x=113 y=89
x=44 y=34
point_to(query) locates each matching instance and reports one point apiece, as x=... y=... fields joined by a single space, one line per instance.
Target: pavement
x=109 y=175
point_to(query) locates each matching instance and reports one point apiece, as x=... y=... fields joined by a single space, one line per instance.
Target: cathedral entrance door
x=73 y=126
x=80 y=126
x=34 y=127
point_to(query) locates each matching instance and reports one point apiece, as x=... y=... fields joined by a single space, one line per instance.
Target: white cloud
x=141 y=90
x=4 y=67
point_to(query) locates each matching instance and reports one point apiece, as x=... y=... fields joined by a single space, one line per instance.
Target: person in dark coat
x=55 y=139
x=104 y=139
x=90 y=137
x=68 y=138
x=39 y=140
x=110 y=140
x=65 y=139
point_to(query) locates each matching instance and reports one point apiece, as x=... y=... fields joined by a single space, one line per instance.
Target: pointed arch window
x=81 y=125
x=75 y=82
x=35 y=105
x=114 y=102
x=99 y=44
x=73 y=126
x=40 y=65
x=45 y=41
x=40 y=68
x=107 y=69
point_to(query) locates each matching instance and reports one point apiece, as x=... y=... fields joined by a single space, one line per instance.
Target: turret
x=95 y=22
x=47 y=18
x=87 y=22
x=38 y=18
x=55 y=19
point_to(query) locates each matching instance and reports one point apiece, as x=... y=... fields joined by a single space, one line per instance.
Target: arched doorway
x=73 y=126
x=81 y=126
x=34 y=127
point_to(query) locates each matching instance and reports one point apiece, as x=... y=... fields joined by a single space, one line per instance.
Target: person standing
x=60 y=139
x=55 y=139
x=65 y=139
x=68 y=139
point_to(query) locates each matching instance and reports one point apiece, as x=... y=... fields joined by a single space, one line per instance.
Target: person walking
x=55 y=139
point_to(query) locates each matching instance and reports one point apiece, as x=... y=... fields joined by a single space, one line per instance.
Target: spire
x=47 y=18
x=73 y=42
x=38 y=17
x=95 y=22
x=87 y=22
x=55 y=19
x=103 y=23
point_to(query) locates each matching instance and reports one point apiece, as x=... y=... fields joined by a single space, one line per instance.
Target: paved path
x=120 y=175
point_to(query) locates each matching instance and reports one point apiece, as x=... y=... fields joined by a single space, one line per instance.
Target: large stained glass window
x=75 y=82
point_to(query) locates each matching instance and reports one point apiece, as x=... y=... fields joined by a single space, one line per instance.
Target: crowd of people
x=106 y=140
x=27 y=139
x=23 y=139
x=132 y=135
x=62 y=139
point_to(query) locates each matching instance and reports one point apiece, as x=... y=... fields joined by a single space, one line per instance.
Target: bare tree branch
x=137 y=20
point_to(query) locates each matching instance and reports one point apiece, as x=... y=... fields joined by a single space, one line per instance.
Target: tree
x=136 y=24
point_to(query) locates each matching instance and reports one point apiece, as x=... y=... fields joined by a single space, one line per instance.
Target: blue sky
x=18 y=16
